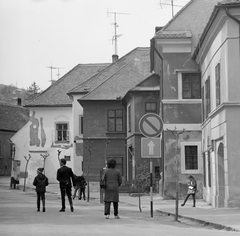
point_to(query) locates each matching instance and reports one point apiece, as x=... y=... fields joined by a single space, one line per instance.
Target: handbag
x=102 y=184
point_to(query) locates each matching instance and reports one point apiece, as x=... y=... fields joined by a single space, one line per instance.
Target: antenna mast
x=116 y=36
x=52 y=68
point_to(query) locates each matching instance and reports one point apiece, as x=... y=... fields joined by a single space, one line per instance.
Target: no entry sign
x=151 y=125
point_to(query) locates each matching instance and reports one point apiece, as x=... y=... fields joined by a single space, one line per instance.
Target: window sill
x=120 y=132
x=62 y=142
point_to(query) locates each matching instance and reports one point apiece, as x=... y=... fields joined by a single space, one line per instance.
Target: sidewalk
x=222 y=218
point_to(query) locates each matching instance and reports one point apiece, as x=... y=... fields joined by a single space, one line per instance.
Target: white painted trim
x=187 y=127
x=182 y=101
x=191 y=143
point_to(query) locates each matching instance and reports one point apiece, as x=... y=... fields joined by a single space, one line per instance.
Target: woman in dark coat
x=113 y=180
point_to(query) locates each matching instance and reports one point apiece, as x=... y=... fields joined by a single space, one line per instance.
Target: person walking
x=192 y=189
x=65 y=176
x=80 y=185
x=82 y=188
x=113 y=181
x=40 y=181
x=77 y=186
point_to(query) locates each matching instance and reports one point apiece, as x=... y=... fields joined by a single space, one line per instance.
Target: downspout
x=160 y=109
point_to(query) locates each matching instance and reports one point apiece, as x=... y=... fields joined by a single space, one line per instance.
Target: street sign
x=151 y=125
x=150 y=147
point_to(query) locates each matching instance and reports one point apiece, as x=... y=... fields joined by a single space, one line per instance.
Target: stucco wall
x=43 y=144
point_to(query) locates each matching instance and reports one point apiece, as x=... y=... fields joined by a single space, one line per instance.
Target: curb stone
x=203 y=222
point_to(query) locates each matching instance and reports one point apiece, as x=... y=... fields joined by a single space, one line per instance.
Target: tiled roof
x=117 y=79
x=174 y=34
x=224 y=2
x=12 y=118
x=192 y=17
x=56 y=94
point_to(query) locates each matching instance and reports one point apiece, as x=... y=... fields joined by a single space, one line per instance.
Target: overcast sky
x=37 y=34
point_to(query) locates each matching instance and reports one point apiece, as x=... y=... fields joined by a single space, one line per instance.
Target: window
x=62 y=132
x=119 y=164
x=217 y=76
x=115 y=120
x=207 y=97
x=129 y=118
x=151 y=107
x=204 y=170
x=67 y=158
x=209 y=170
x=80 y=120
x=191 y=86
x=190 y=157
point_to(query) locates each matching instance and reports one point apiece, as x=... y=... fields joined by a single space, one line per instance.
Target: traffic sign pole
x=151 y=187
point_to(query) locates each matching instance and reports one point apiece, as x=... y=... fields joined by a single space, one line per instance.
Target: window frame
x=218 y=84
x=199 y=156
x=129 y=115
x=80 y=124
x=207 y=99
x=151 y=111
x=67 y=133
x=180 y=85
x=115 y=121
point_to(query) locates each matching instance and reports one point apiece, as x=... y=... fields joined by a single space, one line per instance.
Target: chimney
x=114 y=58
x=157 y=28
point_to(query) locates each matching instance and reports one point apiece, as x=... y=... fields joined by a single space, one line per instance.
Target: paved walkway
x=223 y=218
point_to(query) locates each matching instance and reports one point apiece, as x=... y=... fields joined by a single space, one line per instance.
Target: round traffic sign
x=151 y=125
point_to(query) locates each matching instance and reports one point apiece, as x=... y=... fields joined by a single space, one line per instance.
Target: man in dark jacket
x=65 y=176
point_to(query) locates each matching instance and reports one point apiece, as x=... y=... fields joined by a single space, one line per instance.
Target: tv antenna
x=116 y=36
x=170 y=4
x=58 y=74
x=52 y=68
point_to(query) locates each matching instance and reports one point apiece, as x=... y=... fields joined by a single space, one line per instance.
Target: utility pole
x=116 y=36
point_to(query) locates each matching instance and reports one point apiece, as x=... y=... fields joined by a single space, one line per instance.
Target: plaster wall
x=43 y=122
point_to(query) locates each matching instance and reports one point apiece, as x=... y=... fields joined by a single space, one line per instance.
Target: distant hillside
x=9 y=94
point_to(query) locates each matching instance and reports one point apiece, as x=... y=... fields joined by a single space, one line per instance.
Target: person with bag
x=192 y=189
x=65 y=176
x=113 y=180
x=40 y=181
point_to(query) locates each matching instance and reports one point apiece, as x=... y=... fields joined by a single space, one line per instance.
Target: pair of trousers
x=40 y=196
x=82 y=193
x=64 y=192
x=108 y=206
x=194 y=199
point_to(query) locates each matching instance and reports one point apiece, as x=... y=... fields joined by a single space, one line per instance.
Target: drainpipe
x=160 y=109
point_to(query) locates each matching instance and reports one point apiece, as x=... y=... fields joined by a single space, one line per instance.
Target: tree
x=142 y=180
x=32 y=91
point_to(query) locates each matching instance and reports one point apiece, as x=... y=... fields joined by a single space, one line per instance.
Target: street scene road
x=19 y=216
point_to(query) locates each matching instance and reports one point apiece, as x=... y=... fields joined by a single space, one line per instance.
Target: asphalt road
x=18 y=217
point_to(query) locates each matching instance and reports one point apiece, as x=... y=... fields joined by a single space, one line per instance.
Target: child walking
x=40 y=181
x=80 y=185
x=82 y=188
